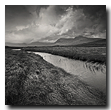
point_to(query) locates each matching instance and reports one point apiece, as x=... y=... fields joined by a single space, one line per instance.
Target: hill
x=98 y=43
x=15 y=44
x=40 y=44
x=75 y=41
x=64 y=42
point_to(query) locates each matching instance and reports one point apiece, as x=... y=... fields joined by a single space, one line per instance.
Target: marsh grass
x=30 y=80
x=93 y=67
x=89 y=54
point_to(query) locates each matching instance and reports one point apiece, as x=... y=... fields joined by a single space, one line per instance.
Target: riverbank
x=30 y=80
x=89 y=54
x=93 y=74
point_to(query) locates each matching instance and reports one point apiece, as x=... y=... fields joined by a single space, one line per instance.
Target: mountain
x=75 y=41
x=64 y=41
x=40 y=44
x=98 y=43
x=15 y=44
x=25 y=45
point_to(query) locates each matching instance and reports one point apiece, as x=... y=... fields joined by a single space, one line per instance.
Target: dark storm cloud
x=24 y=23
x=35 y=8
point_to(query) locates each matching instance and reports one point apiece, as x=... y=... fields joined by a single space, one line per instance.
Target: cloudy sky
x=26 y=23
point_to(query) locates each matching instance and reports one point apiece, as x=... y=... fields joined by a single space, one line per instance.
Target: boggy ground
x=89 y=54
x=30 y=80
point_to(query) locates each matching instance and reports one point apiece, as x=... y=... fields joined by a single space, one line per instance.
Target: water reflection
x=16 y=49
x=94 y=78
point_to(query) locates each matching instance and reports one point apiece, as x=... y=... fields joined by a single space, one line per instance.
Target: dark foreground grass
x=89 y=54
x=29 y=80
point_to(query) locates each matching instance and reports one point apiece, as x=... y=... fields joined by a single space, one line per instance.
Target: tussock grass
x=95 y=67
x=89 y=54
x=30 y=80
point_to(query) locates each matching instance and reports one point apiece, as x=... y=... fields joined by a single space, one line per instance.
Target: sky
x=43 y=23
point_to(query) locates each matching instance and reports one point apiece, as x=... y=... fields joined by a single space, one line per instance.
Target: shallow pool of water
x=16 y=49
x=96 y=79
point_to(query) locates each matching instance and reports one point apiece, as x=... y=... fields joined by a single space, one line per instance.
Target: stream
x=96 y=79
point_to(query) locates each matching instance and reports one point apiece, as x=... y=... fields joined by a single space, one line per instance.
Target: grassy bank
x=90 y=54
x=29 y=80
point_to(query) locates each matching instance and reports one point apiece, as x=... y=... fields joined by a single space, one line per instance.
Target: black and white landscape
x=55 y=55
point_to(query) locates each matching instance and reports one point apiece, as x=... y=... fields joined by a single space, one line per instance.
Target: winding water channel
x=96 y=79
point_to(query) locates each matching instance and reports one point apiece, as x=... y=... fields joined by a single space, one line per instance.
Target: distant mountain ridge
x=62 y=41
x=15 y=44
x=75 y=41
x=98 y=43
x=40 y=44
